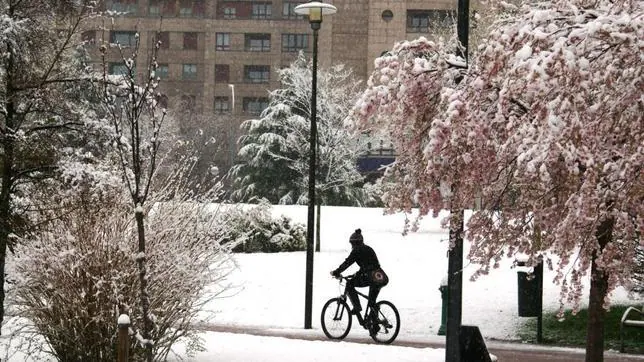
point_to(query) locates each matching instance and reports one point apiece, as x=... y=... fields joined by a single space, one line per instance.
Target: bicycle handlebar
x=341 y=277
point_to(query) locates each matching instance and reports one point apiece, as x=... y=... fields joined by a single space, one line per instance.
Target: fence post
x=123 y=344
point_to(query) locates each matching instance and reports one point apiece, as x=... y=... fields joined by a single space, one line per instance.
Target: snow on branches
x=567 y=83
x=545 y=129
x=408 y=93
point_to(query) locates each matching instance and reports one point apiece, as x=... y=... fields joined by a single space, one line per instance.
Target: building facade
x=221 y=56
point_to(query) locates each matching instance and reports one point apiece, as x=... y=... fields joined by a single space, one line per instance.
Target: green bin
x=529 y=294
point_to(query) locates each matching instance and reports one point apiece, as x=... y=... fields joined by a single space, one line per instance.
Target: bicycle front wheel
x=388 y=323
x=336 y=318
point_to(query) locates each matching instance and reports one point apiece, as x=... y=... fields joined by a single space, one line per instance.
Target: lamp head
x=315 y=10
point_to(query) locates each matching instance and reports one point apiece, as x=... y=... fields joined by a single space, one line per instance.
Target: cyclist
x=370 y=273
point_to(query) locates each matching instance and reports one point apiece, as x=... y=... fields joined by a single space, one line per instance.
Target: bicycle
x=336 y=313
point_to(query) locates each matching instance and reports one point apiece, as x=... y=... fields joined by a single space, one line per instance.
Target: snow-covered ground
x=268 y=292
x=270 y=287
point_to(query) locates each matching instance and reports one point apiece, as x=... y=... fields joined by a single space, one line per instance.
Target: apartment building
x=221 y=56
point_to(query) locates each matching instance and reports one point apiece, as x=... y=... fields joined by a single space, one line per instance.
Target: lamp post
x=315 y=11
x=455 y=258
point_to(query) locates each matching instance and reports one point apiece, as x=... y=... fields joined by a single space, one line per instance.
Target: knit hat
x=356 y=237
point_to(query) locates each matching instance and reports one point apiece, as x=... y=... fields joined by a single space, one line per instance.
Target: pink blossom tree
x=545 y=129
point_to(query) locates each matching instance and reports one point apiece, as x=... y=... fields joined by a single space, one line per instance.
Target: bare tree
x=131 y=106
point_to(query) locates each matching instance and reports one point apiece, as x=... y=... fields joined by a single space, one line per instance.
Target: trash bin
x=529 y=294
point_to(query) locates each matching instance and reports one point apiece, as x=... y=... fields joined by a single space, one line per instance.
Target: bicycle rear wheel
x=388 y=323
x=336 y=318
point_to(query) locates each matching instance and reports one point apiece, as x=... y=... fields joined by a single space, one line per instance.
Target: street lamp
x=315 y=11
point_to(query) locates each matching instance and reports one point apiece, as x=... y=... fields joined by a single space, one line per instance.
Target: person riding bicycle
x=370 y=273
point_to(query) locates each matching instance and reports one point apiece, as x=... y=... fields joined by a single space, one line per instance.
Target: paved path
x=505 y=352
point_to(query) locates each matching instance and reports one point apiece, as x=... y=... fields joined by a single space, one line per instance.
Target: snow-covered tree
x=274 y=149
x=545 y=129
x=70 y=283
x=131 y=106
x=46 y=123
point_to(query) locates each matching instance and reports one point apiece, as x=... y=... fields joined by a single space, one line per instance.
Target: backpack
x=378 y=277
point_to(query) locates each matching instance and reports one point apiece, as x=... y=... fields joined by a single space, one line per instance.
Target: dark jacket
x=364 y=256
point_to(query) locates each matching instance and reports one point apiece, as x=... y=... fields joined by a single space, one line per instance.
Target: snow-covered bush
x=74 y=282
x=255 y=230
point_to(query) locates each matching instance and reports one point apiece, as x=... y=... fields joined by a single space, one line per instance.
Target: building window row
x=122 y=6
x=253 y=42
x=230 y=9
x=256 y=10
x=261 y=42
x=174 y=8
x=421 y=21
x=250 y=105
x=190 y=71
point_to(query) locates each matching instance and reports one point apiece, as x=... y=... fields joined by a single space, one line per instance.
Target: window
x=387 y=15
x=230 y=12
x=89 y=37
x=294 y=42
x=153 y=8
x=261 y=11
x=257 y=42
x=168 y=8
x=189 y=72
x=161 y=7
x=288 y=11
x=162 y=71
x=124 y=38
x=185 y=8
x=222 y=73
x=255 y=106
x=222 y=41
x=117 y=69
x=163 y=37
x=419 y=21
x=190 y=41
x=257 y=73
x=222 y=105
x=122 y=6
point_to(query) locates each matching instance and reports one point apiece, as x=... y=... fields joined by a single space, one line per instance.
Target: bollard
x=123 y=343
x=443 y=290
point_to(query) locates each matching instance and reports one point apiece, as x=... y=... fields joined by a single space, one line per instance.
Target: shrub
x=255 y=230
x=74 y=282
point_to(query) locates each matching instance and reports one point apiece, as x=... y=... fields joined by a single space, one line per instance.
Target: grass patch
x=572 y=330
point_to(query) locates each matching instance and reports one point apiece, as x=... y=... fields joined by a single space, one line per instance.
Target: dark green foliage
x=572 y=330
x=256 y=231
x=273 y=159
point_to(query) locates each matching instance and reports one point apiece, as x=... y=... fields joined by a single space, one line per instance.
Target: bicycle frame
x=344 y=296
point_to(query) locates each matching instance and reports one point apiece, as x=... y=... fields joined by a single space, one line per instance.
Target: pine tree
x=273 y=157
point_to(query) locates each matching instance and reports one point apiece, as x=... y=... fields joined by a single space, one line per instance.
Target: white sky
x=268 y=293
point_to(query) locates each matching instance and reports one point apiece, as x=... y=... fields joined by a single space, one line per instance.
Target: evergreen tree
x=273 y=159
x=45 y=115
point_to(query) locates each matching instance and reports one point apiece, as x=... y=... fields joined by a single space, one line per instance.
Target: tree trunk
x=7 y=178
x=598 y=291
x=317 y=228
x=143 y=281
